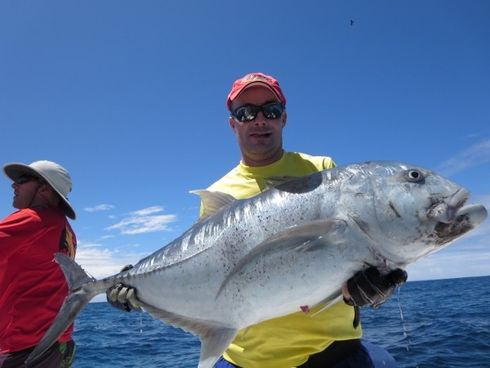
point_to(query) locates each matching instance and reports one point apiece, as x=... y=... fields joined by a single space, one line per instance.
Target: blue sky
x=129 y=96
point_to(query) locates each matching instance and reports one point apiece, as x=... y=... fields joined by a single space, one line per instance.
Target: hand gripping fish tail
x=295 y=244
x=82 y=289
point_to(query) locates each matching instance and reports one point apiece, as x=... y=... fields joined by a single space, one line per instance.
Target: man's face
x=25 y=190
x=260 y=140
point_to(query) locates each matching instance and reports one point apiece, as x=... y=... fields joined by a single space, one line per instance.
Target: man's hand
x=369 y=287
x=122 y=296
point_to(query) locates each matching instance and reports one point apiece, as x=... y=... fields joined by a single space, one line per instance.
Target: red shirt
x=32 y=285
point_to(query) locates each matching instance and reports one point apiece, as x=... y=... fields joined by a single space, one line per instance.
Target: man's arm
x=365 y=288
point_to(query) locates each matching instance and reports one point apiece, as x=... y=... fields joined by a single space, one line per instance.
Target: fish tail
x=82 y=288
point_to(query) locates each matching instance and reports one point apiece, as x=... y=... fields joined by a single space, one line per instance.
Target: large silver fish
x=292 y=246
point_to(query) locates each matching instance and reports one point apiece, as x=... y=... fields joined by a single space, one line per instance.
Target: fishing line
x=404 y=326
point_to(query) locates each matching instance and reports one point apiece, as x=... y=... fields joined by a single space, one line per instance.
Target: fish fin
x=214 y=337
x=75 y=275
x=328 y=302
x=297 y=185
x=214 y=201
x=274 y=181
x=3 y=357
x=80 y=293
x=303 y=238
x=214 y=344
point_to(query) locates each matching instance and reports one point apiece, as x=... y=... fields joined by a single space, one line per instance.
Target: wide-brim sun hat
x=54 y=174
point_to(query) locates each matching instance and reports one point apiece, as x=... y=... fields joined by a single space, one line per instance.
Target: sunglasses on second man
x=25 y=179
x=246 y=113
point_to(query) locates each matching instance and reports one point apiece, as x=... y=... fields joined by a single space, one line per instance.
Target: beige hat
x=55 y=175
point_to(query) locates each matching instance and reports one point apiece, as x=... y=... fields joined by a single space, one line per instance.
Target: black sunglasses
x=246 y=113
x=25 y=179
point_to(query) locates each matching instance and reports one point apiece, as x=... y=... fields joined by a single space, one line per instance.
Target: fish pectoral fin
x=213 y=344
x=213 y=201
x=214 y=337
x=328 y=302
x=303 y=238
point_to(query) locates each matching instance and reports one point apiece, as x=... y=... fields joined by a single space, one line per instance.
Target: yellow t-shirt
x=286 y=341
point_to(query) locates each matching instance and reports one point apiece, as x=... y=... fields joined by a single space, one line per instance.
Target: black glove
x=369 y=287
x=123 y=297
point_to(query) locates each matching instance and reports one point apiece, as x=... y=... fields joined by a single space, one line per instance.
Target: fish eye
x=414 y=175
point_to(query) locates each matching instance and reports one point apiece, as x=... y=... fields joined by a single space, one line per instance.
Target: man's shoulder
x=32 y=216
x=227 y=179
x=24 y=214
x=320 y=162
x=20 y=220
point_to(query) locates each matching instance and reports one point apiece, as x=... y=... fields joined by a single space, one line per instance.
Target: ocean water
x=441 y=323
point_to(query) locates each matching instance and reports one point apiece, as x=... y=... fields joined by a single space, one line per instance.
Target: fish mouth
x=445 y=210
x=453 y=218
x=465 y=219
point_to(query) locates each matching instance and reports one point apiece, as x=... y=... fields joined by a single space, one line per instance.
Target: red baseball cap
x=253 y=79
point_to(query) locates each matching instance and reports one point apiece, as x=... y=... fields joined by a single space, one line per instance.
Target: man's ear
x=284 y=118
x=49 y=194
x=232 y=123
x=45 y=187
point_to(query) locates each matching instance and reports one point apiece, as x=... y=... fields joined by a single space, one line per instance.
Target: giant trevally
x=292 y=246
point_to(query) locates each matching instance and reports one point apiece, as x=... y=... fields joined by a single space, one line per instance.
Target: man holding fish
x=307 y=338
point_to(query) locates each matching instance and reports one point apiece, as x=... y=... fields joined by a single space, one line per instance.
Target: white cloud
x=147 y=211
x=84 y=244
x=100 y=263
x=144 y=221
x=483 y=199
x=103 y=262
x=99 y=208
x=447 y=265
x=107 y=237
x=97 y=262
x=475 y=155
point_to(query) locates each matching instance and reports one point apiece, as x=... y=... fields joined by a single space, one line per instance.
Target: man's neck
x=261 y=160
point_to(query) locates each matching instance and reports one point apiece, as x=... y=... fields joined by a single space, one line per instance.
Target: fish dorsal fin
x=214 y=337
x=274 y=181
x=303 y=238
x=295 y=184
x=213 y=201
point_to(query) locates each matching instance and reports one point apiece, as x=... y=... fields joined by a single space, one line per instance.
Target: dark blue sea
x=442 y=323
